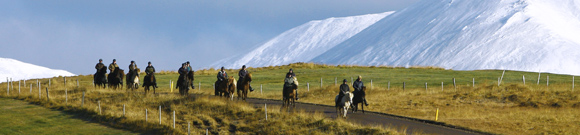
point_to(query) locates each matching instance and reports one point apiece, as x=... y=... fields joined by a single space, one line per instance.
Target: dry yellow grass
x=217 y=115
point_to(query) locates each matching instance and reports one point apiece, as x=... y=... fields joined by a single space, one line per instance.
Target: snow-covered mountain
x=304 y=42
x=18 y=70
x=527 y=35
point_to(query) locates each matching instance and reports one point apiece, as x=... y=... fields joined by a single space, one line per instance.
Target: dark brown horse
x=149 y=81
x=184 y=82
x=99 y=79
x=116 y=78
x=358 y=98
x=223 y=88
x=289 y=94
x=244 y=86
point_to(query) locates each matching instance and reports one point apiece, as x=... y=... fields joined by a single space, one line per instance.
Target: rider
x=100 y=65
x=344 y=89
x=113 y=65
x=242 y=73
x=358 y=85
x=222 y=75
x=132 y=72
x=182 y=72
x=291 y=73
x=149 y=71
x=288 y=81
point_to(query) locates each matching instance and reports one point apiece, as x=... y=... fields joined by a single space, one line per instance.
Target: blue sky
x=72 y=34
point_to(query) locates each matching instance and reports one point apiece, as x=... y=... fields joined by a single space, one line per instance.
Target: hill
x=18 y=70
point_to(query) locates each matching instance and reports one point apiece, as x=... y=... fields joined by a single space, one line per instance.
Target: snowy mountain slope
x=18 y=70
x=528 y=35
x=304 y=42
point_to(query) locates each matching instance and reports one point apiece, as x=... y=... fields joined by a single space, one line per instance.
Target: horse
x=231 y=88
x=344 y=104
x=133 y=79
x=183 y=84
x=244 y=86
x=149 y=81
x=99 y=79
x=289 y=95
x=223 y=88
x=116 y=78
x=359 y=99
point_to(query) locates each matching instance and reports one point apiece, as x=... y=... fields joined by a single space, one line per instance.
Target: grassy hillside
x=19 y=117
x=511 y=108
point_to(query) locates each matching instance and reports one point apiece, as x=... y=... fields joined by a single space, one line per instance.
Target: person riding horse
x=99 y=65
x=113 y=65
x=291 y=72
x=242 y=73
x=132 y=71
x=358 y=86
x=288 y=81
x=150 y=70
x=99 y=78
x=222 y=75
x=344 y=89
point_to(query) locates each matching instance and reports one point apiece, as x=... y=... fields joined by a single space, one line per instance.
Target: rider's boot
x=251 y=89
x=297 y=95
x=156 y=85
x=365 y=100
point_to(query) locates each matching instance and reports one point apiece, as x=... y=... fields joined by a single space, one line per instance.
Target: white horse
x=344 y=104
x=136 y=82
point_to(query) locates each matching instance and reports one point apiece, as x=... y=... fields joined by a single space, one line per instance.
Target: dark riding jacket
x=182 y=71
x=99 y=66
x=242 y=74
x=343 y=90
x=288 y=82
x=222 y=76
x=357 y=85
x=149 y=70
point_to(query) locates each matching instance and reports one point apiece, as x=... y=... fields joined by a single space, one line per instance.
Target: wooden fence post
x=145 y=114
x=371 y=84
x=266 y=110
x=188 y=131
x=321 y=82
x=174 y=119
x=473 y=82
x=99 y=102
x=123 y=110
x=30 y=89
x=441 y=86
x=539 y=73
x=49 y=82
x=83 y=100
x=47 y=96
x=261 y=93
x=426 y=87
x=454 y=85
x=308 y=86
x=524 y=79
x=159 y=115
x=66 y=96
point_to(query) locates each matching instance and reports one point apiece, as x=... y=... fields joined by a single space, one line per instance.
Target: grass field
x=510 y=108
x=20 y=117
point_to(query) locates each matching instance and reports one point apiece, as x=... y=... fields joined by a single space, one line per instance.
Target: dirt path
x=374 y=118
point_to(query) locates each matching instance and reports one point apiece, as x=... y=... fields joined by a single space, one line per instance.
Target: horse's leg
x=362 y=107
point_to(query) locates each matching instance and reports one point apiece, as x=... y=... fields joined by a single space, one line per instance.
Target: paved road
x=373 y=118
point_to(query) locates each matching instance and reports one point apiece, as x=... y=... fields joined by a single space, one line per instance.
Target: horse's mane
x=234 y=81
x=295 y=81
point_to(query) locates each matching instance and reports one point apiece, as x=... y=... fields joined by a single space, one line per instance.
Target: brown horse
x=358 y=98
x=289 y=96
x=244 y=86
x=116 y=78
x=149 y=81
x=223 y=88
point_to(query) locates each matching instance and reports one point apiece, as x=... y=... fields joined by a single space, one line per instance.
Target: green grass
x=20 y=117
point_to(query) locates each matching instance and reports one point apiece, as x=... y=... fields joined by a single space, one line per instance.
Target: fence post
x=64 y=81
x=66 y=96
x=24 y=83
x=199 y=85
x=77 y=82
x=501 y=79
x=261 y=93
x=426 y=87
x=145 y=114
x=159 y=115
x=538 y=78
x=266 y=110
x=454 y=85
x=321 y=82
x=30 y=89
x=524 y=79
x=473 y=82
x=50 y=83
x=371 y=84
x=174 y=119
x=99 y=102
x=83 y=100
x=308 y=86
x=47 y=96
x=547 y=81
x=441 y=86
x=123 y=110
x=188 y=131
x=171 y=86
x=39 y=90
